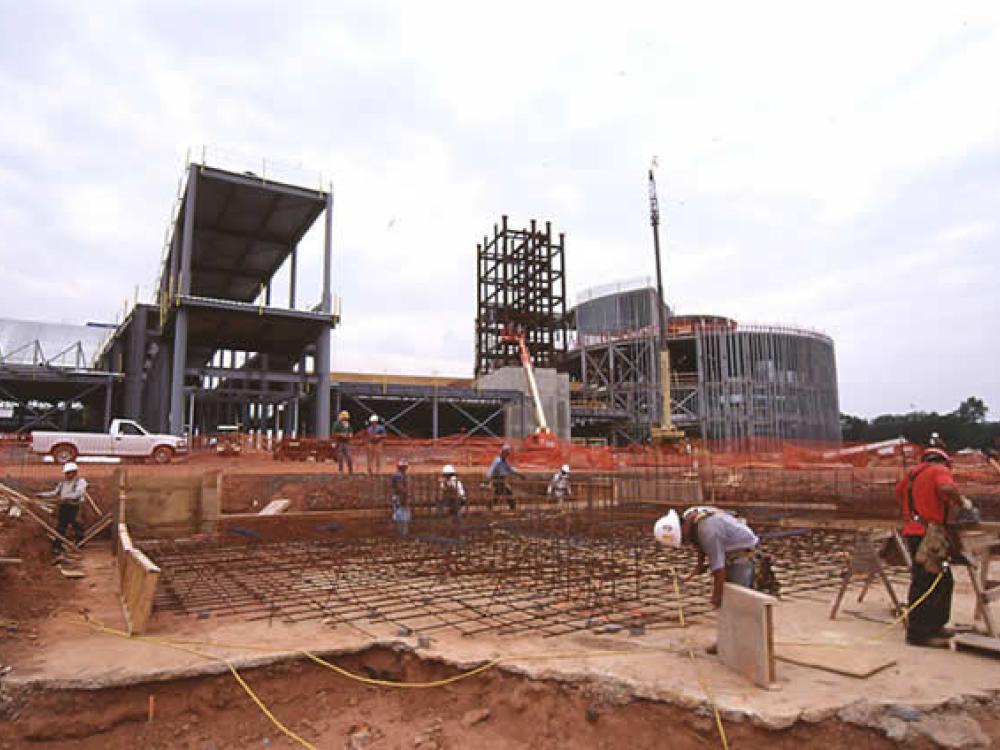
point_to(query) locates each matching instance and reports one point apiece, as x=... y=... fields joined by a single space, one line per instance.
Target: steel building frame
x=217 y=347
x=520 y=282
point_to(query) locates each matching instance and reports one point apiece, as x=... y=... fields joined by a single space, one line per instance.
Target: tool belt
x=934 y=549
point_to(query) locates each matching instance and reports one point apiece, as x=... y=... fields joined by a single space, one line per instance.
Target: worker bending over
x=559 y=486
x=70 y=491
x=451 y=493
x=498 y=474
x=374 y=437
x=724 y=542
x=930 y=500
x=342 y=442
x=400 y=488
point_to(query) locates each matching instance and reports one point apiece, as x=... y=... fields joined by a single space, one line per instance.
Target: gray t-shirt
x=720 y=534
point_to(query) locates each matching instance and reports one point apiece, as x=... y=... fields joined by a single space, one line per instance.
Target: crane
x=542 y=434
x=665 y=432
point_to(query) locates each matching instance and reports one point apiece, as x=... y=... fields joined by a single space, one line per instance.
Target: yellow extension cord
x=185 y=646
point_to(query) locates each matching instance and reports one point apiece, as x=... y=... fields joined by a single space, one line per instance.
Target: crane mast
x=665 y=431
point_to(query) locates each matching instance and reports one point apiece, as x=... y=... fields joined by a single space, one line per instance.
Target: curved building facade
x=733 y=381
x=728 y=381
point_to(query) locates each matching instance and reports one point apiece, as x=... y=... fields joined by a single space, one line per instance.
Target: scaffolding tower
x=520 y=285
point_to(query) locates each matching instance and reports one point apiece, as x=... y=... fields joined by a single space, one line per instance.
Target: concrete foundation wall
x=158 y=505
x=553 y=387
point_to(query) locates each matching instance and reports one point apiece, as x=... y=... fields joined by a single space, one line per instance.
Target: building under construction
x=728 y=382
x=222 y=345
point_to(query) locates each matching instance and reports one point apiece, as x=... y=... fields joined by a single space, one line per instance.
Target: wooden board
x=275 y=507
x=71 y=573
x=746 y=633
x=977 y=642
x=850 y=662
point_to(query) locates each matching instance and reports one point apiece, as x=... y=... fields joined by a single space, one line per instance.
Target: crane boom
x=529 y=372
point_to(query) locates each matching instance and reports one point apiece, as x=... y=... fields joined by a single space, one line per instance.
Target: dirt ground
x=493 y=710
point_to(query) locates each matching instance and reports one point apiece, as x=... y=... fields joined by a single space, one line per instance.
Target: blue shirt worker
x=724 y=542
x=498 y=474
x=399 y=486
x=70 y=492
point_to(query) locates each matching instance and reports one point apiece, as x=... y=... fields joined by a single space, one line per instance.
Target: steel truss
x=520 y=283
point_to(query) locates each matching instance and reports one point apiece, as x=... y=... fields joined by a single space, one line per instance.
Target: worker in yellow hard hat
x=342 y=435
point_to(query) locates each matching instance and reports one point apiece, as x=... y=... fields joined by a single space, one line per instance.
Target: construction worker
x=451 y=493
x=375 y=437
x=399 y=486
x=70 y=491
x=498 y=473
x=726 y=543
x=559 y=486
x=930 y=500
x=342 y=441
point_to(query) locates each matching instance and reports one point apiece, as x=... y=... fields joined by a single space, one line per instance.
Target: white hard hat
x=565 y=469
x=373 y=418
x=69 y=466
x=448 y=469
x=668 y=529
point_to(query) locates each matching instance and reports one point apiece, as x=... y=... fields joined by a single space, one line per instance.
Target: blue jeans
x=740 y=571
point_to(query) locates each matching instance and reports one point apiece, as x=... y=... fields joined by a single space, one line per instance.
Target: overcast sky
x=836 y=168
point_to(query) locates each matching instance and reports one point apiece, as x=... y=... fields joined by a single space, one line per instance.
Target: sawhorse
x=865 y=561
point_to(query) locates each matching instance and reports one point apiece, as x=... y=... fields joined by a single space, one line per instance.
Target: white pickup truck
x=125 y=438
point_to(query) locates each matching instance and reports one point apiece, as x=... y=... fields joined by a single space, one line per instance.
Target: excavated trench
x=495 y=709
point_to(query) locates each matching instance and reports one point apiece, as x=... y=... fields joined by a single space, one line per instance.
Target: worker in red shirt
x=929 y=498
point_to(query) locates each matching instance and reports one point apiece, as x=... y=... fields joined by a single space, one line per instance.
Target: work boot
x=932 y=642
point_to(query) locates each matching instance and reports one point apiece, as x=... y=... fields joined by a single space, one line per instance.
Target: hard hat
x=935 y=455
x=565 y=469
x=402 y=462
x=344 y=415
x=668 y=529
x=69 y=466
x=448 y=469
x=505 y=448
x=373 y=418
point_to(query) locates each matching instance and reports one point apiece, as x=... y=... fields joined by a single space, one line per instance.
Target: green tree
x=972 y=410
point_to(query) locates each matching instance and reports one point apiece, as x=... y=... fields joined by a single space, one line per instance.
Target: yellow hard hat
x=344 y=415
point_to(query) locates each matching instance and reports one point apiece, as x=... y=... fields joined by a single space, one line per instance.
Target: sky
x=834 y=166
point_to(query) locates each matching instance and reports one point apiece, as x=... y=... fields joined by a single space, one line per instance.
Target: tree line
x=966 y=427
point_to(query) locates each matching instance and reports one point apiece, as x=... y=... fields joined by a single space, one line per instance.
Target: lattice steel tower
x=520 y=285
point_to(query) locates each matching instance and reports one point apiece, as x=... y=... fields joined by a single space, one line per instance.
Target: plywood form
x=746 y=633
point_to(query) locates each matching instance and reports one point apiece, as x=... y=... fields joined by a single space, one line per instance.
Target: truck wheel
x=64 y=453
x=162 y=454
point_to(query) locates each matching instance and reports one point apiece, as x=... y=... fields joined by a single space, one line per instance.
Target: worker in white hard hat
x=374 y=438
x=342 y=435
x=451 y=493
x=726 y=546
x=71 y=491
x=559 y=486
x=498 y=473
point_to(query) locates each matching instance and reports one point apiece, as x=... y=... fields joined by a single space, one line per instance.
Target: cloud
x=835 y=167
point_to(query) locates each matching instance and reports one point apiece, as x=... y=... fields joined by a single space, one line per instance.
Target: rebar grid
x=548 y=575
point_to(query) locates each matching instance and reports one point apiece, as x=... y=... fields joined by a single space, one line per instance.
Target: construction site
x=256 y=577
